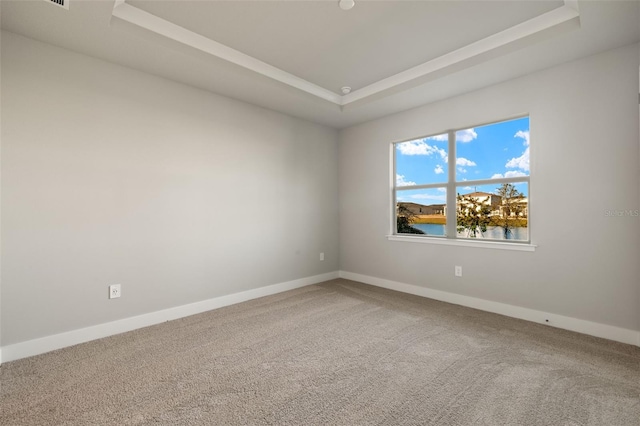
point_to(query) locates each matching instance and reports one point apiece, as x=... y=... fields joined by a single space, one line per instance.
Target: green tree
x=510 y=210
x=472 y=216
x=404 y=219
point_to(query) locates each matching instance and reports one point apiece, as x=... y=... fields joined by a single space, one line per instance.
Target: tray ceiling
x=374 y=50
x=327 y=46
x=295 y=56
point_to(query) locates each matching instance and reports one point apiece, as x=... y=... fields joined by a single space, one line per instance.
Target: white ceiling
x=294 y=56
x=332 y=48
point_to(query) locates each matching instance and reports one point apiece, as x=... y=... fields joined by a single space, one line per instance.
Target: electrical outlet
x=458 y=271
x=115 y=291
x=321 y=256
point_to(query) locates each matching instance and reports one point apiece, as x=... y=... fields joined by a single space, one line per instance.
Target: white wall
x=110 y=176
x=585 y=151
x=114 y=176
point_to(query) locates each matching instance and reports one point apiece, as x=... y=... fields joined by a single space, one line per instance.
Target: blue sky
x=492 y=151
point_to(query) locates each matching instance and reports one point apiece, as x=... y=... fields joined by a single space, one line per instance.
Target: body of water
x=493 y=232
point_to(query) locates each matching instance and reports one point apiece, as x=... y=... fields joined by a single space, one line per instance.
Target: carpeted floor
x=337 y=353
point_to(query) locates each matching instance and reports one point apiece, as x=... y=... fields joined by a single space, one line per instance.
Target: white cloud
x=521 y=162
x=523 y=134
x=461 y=161
x=440 y=138
x=420 y=148
x=428 y=197
x=462 y=170
x=442 y=189
x=466 y=135
x=401 y=182
x=509 y=174
x=463 y=136
x=438 y=170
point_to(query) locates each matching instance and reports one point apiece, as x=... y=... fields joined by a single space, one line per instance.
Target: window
x=464 y=184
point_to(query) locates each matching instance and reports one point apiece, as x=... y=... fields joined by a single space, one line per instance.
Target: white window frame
x=451 y=184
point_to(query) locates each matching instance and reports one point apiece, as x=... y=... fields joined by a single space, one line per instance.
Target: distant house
x=517 y=207
x=493 y=200
x=420 y=209
x=499 y=207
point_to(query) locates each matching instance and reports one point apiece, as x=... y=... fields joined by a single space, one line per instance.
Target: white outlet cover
x=115 y=291
x=458 y=271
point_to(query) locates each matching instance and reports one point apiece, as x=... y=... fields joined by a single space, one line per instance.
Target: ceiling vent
x=61 y=3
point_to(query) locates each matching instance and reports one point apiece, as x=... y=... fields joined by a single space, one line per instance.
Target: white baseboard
x=62 y=340
x=70 y=338
x=610 y=332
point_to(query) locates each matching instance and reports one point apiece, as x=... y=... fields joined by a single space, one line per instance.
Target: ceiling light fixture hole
x=346 y=4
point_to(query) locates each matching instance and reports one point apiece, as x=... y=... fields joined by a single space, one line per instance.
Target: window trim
x=450 y=237
x=464 y=242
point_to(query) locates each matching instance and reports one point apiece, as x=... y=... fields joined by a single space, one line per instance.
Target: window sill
x=464 y=243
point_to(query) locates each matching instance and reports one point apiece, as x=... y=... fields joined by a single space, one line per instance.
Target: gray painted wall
x=584 y=136
x=110 y=176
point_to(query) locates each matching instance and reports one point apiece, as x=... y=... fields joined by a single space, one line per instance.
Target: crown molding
x=465 y=56
x=150 y=22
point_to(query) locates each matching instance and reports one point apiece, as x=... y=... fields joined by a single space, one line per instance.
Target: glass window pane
x=422 y=161
x=421 y=211
x=494 y=212
x=493 y=151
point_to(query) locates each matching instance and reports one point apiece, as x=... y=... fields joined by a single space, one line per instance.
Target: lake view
x=493 y=232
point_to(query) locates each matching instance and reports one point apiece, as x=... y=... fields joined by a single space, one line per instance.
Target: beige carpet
x=338 y=353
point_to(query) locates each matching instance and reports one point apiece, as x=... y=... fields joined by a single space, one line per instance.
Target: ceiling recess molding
x=563 y=18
